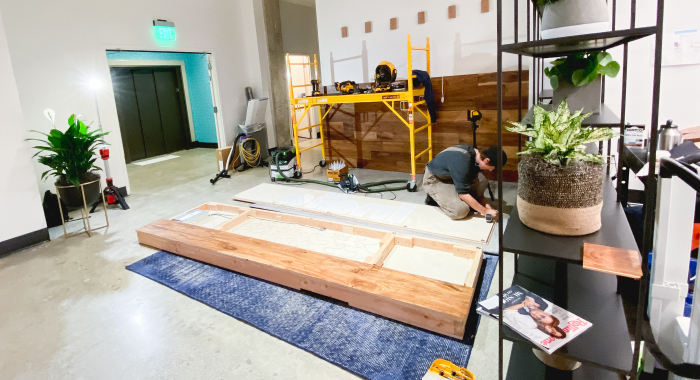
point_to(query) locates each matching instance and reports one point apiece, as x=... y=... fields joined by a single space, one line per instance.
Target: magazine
x=536 y=319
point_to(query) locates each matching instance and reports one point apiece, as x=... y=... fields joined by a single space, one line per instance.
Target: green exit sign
x=165 y=33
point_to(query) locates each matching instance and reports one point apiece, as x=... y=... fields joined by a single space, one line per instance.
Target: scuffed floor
x=69 y=309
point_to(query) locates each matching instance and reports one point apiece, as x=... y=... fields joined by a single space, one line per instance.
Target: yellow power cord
x=252 y=159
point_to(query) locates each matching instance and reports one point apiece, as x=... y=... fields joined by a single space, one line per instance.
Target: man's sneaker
x=430 y=201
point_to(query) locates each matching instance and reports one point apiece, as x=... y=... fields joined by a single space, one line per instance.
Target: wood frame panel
x=430 y=304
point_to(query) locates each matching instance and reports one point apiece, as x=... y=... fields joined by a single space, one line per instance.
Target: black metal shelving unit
x=550 y=265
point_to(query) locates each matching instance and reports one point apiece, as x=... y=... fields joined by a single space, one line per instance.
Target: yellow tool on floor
x=442 y=369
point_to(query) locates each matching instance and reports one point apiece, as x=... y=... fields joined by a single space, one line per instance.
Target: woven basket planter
x=560 y=200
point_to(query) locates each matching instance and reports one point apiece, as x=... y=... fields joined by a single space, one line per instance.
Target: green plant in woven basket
x=70 y=155
x=557 y=136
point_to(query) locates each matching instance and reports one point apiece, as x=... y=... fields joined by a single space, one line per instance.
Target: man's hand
x=492 y=212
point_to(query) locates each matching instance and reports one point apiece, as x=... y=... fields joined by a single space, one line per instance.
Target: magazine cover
x=540 y=321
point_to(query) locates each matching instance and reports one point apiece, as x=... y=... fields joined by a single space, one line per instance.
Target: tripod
x=475 y=126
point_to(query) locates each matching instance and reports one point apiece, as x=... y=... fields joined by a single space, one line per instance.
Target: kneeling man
x=454 y=181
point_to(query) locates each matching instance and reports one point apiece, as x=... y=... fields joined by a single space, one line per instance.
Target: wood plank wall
x=370 y=136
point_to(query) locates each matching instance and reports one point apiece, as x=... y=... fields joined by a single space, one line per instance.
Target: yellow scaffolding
x=388 y=98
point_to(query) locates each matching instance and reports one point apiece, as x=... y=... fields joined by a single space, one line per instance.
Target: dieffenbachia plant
x=581 y=69
x=557 y=136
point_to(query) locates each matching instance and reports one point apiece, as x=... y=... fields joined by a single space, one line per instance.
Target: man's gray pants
x=444 y=193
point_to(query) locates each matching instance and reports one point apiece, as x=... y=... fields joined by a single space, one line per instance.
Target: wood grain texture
x=452 y=11
x=430 y=304
x=370 y=136
x=618 y=261
x=394 y=23
x=421 y=17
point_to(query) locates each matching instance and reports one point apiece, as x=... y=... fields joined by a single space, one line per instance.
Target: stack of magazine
x=541 y=322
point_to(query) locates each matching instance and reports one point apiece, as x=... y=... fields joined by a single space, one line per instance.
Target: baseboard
x=197 y=144
x=24 y=241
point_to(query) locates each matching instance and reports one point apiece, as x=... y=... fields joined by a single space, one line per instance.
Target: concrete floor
x=69 y=309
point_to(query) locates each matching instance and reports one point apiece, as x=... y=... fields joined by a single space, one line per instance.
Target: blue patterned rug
x=365 y=344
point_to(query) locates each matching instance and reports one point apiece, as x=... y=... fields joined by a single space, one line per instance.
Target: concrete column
x=278 y=72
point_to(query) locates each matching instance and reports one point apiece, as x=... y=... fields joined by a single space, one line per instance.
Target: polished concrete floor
x=69 y=309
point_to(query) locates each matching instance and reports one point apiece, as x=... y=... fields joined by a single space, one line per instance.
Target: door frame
x=161 y=63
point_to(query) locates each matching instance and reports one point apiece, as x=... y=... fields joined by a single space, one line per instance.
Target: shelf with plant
x=71 y=157
x=560 y=186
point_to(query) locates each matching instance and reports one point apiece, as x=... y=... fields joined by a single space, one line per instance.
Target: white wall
x=299 y=32
x=57 y=47
x=680 y=85
x=20 y=202
x=464 y=45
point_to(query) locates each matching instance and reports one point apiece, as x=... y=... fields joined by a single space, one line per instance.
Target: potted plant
x=70 y=155
x=562 y=18
x=578 y=78
x=560 y=186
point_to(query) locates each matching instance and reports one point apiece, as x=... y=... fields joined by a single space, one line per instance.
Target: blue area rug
x=365 y=344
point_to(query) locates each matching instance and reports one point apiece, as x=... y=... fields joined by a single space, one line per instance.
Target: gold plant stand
x=85 y=214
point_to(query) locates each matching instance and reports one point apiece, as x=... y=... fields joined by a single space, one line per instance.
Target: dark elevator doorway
x=152 y=111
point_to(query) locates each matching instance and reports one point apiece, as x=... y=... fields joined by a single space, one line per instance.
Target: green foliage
x=541 y=3
x=581 y=69
x=69 y=155
x=558 y=138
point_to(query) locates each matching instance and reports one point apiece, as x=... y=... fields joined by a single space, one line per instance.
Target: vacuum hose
x=364 y=188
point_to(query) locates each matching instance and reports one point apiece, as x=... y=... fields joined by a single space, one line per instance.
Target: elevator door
x=151 y=110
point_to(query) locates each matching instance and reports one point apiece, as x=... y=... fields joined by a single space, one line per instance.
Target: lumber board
x=618 y=261
x=430 y=304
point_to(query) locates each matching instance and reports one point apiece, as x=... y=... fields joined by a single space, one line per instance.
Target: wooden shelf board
x=617 y=261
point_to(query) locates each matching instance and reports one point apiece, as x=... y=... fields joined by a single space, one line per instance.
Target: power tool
x=284 y=164
x=442 y=369
x=315 y=88
x=347 y=87
x=384 y=75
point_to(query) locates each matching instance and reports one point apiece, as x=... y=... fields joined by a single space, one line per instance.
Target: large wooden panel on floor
x=368 y=135
x=412 y=217
x=417 y=292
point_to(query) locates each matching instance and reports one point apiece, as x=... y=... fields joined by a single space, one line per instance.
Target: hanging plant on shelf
x=578 y=78
x=581 y=69
x=560 y=186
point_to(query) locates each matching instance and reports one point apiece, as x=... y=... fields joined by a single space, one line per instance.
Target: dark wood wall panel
x=370 y=136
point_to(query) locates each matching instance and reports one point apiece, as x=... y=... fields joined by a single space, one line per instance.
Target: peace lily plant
x=557 y=136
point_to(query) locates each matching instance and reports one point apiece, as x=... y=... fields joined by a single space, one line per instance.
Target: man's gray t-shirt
x=457 y=166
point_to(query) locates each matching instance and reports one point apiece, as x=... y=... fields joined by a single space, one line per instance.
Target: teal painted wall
x=199 y=87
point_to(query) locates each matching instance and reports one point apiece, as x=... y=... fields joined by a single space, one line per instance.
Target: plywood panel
x=431 y=263
x=420 y=218
x=621 y=262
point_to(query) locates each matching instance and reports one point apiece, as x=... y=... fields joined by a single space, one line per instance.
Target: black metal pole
x=650 y=188
x=499 y=161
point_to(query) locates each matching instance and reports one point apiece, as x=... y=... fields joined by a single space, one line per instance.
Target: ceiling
x=306 y=3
